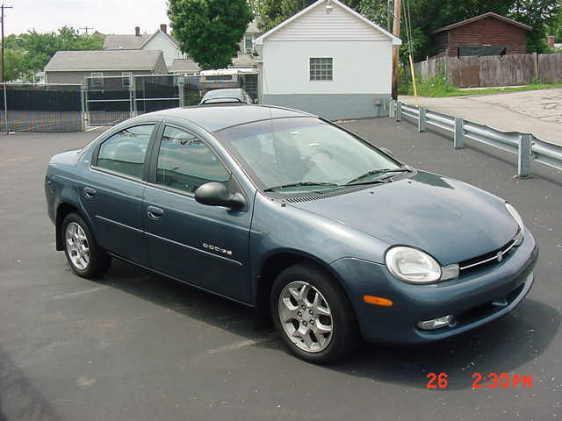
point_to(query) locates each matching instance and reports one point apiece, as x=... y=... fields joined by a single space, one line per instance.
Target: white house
x=158 y=41
x=328 y=60
x=245 y=56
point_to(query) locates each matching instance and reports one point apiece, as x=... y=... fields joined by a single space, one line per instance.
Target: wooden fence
x=508 y=70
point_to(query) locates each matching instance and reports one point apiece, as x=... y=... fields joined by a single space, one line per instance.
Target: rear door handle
x=154 y=213
x=89 y=192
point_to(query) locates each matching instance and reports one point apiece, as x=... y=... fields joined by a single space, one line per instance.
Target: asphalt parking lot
x=136 y=346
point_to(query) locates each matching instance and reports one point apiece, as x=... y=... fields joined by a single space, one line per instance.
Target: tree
x=26 y=54
x=272 y=12
x=538 y=14
x=555 y=28
x=14 y=60
x=209 y=31
x=428 y=15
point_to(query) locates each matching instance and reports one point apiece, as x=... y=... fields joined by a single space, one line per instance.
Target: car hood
x=66 y=158
x=447 y=218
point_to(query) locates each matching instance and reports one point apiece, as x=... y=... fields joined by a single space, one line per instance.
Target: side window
x=124 y=152
x=185 y=163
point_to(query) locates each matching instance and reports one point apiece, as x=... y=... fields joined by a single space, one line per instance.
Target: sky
x=106 y=16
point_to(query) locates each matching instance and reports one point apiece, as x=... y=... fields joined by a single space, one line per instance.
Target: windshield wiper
x=301 y=184
x=372 y=173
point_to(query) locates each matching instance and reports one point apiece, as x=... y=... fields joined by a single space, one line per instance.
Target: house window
x=96 y=80
x=126 y=79
x=248 y=44
x=321 y=68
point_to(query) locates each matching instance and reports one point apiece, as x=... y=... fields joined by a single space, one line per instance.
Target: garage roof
x=116 y=60
x=484 y=16
x=329 y=3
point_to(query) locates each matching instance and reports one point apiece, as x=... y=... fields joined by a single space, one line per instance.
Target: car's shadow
x=501 y=346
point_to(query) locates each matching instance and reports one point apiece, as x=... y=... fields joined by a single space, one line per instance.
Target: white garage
x=328 y=60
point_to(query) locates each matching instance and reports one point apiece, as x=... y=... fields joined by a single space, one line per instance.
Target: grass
x=439 y=87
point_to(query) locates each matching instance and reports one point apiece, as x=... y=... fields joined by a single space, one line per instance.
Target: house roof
x=132 y=41
x=484 y=16
x=244 y=60
x=166 y=35
x=125 y=42
x=113 y=60
x=184 y=65
x=253 y=27
x=395 y=40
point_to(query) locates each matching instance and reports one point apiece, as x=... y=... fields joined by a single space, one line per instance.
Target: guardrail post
x=524 y=155
x=391 y=109
x=398 y=110
x=421 y=119
x=458 y=137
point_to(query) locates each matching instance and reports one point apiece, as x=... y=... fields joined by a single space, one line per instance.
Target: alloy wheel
x=77 y=246
x=305 y=316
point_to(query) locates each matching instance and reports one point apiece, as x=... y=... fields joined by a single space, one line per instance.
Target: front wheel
x=313 y=315
x=85 y=257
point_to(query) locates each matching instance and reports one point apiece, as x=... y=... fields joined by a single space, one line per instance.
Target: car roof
x=220 y=116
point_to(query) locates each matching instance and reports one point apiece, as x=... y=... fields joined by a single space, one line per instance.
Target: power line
x=395 y=48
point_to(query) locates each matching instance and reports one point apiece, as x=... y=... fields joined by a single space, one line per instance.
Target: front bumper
x=473 y=299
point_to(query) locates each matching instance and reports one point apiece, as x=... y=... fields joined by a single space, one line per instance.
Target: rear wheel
x=85 y=257
x=313 y=315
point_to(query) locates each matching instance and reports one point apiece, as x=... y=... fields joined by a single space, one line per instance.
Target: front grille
x=490 y=258
x=491 y=307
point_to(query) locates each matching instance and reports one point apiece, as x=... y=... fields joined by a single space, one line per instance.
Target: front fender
x=279 y=228
x=66 y=197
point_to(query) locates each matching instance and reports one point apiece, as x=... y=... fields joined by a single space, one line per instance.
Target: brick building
x=484 y=35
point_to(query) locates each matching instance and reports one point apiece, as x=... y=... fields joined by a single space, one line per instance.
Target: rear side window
x=124 y=152
x=185 y=163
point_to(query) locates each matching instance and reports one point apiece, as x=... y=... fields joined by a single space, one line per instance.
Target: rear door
x=203 y=245
x=113 y=193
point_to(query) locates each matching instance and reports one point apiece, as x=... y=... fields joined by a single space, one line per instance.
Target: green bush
x=436 y=86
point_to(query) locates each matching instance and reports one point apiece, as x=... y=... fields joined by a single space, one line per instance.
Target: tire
x=93 y=260
x=317 y=345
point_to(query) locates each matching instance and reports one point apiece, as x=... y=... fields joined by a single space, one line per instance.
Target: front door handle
x=154 y=213
x=89 y=192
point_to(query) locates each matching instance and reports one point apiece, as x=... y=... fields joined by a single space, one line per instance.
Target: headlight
x=519 y=221
x=412 y=265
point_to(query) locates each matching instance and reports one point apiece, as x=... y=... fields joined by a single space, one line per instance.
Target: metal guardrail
x=526 y=146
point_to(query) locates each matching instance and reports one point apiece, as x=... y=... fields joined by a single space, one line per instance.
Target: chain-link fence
x=109 y=100
x=105 y=101
x=30 y=107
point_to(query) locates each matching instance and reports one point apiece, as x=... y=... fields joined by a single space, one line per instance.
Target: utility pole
x=86 y=29
x=396 y=48
x=3 y=73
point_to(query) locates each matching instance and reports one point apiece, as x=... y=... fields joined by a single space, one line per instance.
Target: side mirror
x=386 y=151
x=217 y=194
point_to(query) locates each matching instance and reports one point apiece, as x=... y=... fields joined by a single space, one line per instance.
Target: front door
x=113 y=193
x=203 y=245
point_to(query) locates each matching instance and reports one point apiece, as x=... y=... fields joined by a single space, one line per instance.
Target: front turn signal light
x=377 y=301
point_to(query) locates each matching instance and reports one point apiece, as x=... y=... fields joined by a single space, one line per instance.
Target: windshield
x=304 y=154
x=223 y=93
